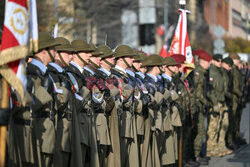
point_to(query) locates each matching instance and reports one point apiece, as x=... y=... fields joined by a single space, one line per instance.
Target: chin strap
x=83 y=61
x=110 y=64
x=126 y=63
x=161 y=70
x=50 y=55
x=64 y=63
x=95 y=65
x=133 y=67
x=170 y=70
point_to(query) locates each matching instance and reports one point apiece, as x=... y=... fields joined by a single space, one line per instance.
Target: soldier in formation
x=94 y=106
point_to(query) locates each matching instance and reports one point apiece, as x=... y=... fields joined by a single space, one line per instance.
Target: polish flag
x=14 y=44
x=180 y=42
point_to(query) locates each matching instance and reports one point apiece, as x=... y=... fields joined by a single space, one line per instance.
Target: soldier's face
x=236 y=62
x=85 y=56
x=174 y=69
x=129 y=60
x=217 y=63
x=67 y=57
x=95 y=59
x=111 y=60
x=226 y=66
x=137 y=65
x=204 y=64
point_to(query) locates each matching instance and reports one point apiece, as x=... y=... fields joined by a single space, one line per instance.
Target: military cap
x=203 y=55
x=179 y=58
x=140 y=56
x=124 y=50
x=45 y=40
x=64 y=45
x=234 y=56
x=228 y=61
x=146 y=61
x=217 y=57
x=95 y=51
x=154 y=60
x=107 y=52
x=62 y=41
x=81 y=46
x=170 y=61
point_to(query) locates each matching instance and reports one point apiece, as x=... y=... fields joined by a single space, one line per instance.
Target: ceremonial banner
x=14 y=44
x=180 y=42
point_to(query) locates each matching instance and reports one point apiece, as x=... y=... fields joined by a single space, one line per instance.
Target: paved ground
x=241 y=158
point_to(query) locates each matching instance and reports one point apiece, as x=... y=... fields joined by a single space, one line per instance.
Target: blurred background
x=148 y=24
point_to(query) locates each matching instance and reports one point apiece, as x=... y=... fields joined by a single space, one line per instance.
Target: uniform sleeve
x=213 y=84
x=199 y=89
x=236 y=83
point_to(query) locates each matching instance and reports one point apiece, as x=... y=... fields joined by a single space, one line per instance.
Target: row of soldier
x=94 y=106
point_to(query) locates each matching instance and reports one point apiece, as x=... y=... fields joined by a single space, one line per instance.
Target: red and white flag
x=180 y=42
x=14 y=44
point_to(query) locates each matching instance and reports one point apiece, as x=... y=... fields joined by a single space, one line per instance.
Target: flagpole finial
x=182 y=3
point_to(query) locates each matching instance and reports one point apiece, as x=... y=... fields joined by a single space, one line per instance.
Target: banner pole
x=3 y=128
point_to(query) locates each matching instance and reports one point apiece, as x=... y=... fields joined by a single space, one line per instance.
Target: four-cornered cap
x=204 y=55
x=179 y=58
x=217 y=57
x=45 y=40
x=228 y=61
x=169 y=61
x=95 y=51
x=155 y=60
x=81 y=46
x=234 y=56
x=64 y=45
x=107 y=52
x=124 y=50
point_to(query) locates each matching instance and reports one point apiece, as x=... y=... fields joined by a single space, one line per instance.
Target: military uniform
x=216 y=96
x=199 y=80
x=172 y=118
x=110 y=91
x=83 y=98
x=43 y=109
x=236 y=94
x=226 y=105
x=128 y=134
x=64 y=104
x=153 y=133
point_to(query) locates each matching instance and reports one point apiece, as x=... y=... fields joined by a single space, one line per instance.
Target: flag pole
x=182 y=3
x=3 y=129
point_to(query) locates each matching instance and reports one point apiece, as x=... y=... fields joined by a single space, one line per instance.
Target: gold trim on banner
x=34 y=45
x=12 y=79
x=12 y=54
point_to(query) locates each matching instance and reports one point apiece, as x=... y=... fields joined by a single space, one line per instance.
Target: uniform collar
x=167 y=77
x=89 y=70
x=105 y=71
x=40 y=65
x=77 y=66
x=140 y=74
x=57 y=67
x=130 y=72
x=120 y=68
x=153 y=77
